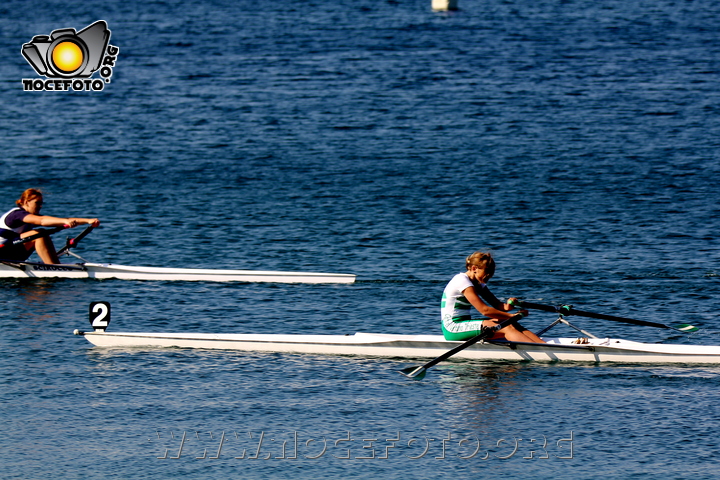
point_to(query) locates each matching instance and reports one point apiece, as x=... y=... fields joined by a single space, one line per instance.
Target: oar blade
x=686 y=328
x=415 y=372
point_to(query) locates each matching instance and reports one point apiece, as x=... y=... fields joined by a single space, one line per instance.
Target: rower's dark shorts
x=17 y=253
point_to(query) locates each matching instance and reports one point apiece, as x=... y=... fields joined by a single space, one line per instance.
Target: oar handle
x=539 y=306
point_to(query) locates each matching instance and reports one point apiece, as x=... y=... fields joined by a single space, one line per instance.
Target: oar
x=419 y=372
x=569 y=310
x=72 y=242
x=41 y=233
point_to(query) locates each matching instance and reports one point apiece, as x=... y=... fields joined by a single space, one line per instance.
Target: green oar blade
x=686 y=328
x=417 y=373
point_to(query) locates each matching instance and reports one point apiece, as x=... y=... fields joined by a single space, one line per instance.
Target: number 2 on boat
x=100 y=315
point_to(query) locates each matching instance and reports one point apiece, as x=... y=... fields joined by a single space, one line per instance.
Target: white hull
x=106 y=271
x=418 y=346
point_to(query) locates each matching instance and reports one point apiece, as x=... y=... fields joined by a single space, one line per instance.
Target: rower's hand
x=512 y=302
x=95 y=222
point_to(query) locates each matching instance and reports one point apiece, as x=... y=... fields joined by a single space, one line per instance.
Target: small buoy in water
x=444 y=4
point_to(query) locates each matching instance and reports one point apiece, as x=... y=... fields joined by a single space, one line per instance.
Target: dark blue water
x=578 y=140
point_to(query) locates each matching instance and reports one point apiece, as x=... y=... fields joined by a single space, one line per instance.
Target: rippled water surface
x=578 y=140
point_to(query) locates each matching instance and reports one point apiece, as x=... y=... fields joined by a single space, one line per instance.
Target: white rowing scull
x=124 y=272
x=85 y=269
x=418 y=346
x=407 y=346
